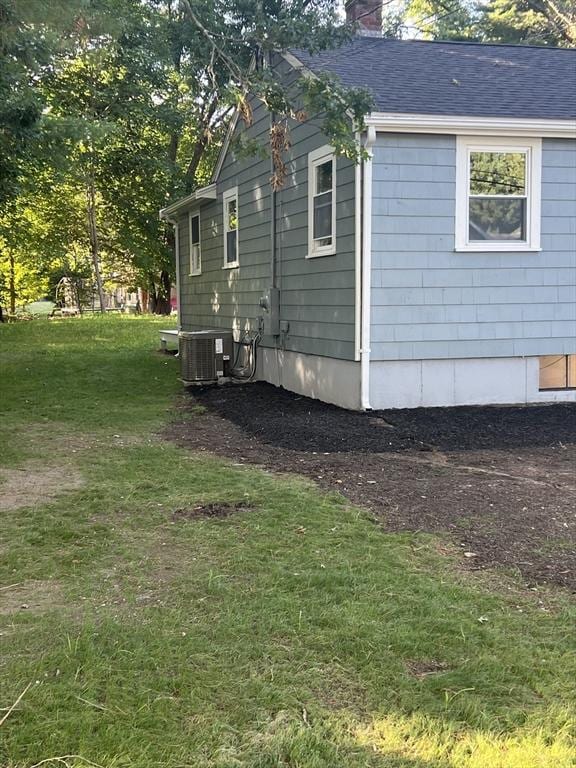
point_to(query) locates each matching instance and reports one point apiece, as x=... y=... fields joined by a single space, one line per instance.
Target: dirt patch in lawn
x=422 y=668
x=32 y=484
x=30 y=597
x=500 y=482
x=217 y=509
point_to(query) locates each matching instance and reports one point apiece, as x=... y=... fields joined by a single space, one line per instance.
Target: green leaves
x=538 y=22
x=341 y=111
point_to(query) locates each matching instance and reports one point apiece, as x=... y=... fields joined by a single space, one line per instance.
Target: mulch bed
x=500 y=481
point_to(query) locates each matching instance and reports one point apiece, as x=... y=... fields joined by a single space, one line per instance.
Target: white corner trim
x=532 y=148
x=204 y=193
x=366 y=271
x=476 y=126
x=315 y=158
x=357 y=256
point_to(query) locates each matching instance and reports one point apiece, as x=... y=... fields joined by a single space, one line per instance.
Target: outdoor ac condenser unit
x=204 y=355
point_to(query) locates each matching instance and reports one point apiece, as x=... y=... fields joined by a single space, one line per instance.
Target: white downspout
x=366 y=271
x=174 y=223
x=357 y=256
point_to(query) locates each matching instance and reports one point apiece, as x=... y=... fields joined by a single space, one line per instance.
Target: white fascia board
x=229 y=133
x=205 y=193
x=234 y=121
x=468 y=125
x=225 y=145
x=306 y=71
x=296 y=63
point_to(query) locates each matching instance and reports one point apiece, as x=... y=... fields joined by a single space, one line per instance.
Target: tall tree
x=108 y=91
x=131 y=106
x=537 y=22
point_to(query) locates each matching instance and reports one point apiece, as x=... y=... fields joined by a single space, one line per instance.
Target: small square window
x=557 y=372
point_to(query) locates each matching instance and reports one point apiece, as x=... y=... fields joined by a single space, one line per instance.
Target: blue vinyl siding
x=430 y=302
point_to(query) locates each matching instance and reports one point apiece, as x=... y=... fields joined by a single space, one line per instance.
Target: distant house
x=440 y=271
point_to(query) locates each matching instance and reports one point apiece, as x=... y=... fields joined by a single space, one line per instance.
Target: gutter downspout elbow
x=366 y=270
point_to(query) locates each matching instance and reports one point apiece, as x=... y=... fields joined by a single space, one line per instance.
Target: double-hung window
x=498 y=194
x=194 y=236
x=230 y=206
x=321 y=202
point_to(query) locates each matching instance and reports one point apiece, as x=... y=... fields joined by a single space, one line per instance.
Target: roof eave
x=200 y=195
x=469 y=124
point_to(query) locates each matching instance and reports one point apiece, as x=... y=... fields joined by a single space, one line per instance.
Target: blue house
x=439 y=271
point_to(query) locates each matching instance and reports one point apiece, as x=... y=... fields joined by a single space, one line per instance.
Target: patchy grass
x=289 y=633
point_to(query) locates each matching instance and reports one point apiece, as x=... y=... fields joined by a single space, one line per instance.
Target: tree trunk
x=12 y=284
x=94 y=243
x=163 y=305
x=206 y=121
x=142 y=305
x=152 y=296
x=159 y=294
x=77 y=296
x=176 y=46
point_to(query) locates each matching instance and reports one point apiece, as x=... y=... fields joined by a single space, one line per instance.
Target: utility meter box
x=270 y=315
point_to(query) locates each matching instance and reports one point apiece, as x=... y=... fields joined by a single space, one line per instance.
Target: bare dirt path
x=500 y=482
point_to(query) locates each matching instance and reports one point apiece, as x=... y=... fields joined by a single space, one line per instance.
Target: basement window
x=230 y=210
x=498 y=194
x=321 y=202
x=557 y=372
x=194 y=235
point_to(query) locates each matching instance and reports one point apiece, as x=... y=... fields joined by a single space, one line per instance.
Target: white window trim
x=193 y=272
x=533 y=149
x=316 y=158
x=230 y=194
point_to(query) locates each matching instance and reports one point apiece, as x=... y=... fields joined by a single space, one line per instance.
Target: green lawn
x=293 y=634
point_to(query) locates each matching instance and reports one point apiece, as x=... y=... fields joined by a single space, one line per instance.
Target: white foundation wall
x=476 y=381
x=324 y=378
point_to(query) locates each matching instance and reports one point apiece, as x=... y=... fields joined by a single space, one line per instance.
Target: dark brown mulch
x=262 y=410
x=216 y=509
x=510 y=501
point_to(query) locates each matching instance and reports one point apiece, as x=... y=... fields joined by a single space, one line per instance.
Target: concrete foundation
x=482 y=381
x=324 y=378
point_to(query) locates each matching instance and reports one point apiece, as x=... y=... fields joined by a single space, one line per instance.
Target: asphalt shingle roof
x=451 y=78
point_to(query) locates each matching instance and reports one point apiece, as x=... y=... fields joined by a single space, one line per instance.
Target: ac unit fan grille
x=197 y=359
